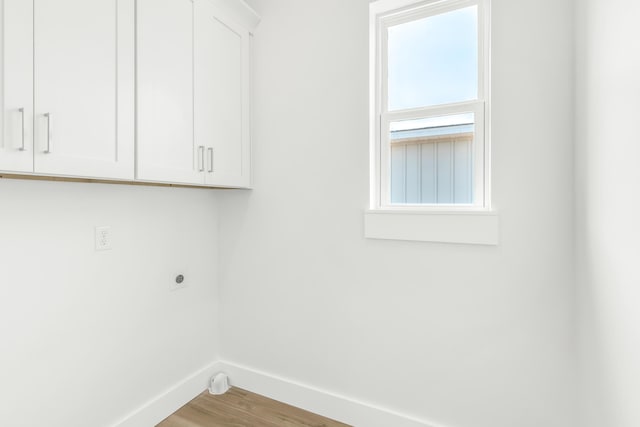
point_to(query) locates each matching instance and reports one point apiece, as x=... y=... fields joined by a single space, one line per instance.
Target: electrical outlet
x=103 y=238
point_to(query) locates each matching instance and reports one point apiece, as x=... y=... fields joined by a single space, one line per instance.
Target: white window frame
x=386 y=13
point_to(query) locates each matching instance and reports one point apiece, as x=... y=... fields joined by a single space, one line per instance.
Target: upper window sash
x=413 y=12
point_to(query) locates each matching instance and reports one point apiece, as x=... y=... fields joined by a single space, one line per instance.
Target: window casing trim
x=386 y=13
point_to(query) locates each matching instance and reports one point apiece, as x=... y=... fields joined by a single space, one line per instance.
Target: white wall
x=462 y=335
x=608 y=208
x=87 y=337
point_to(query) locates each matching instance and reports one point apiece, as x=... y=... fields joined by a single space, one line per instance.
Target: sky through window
x=434 y=60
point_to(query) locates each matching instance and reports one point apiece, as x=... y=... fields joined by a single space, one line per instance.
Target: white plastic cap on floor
x=219 y=384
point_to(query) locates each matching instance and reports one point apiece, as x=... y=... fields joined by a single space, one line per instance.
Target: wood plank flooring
x=240 y=408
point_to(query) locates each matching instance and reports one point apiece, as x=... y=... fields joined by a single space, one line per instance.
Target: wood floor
x=240 y=408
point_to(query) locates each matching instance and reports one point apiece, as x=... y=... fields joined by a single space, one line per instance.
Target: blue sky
x=434 y=60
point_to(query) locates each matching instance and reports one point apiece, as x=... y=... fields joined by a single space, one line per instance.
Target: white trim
x=461 y=227
x=424 y=10
x=165 y=404
x=238 y=11
x=434 y=111
x=322 y=402
x=382 y=6
x=318 y=401
x=385 y=13
x=375 y=87
x=484 y=70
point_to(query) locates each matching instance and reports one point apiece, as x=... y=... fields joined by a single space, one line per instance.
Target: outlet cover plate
x=103 y=238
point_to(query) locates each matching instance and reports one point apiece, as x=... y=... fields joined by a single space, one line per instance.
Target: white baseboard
x=330 y=405
x=159 y=408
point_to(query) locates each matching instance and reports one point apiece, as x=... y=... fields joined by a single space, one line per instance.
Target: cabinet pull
x=201 y=158
x=21 y=111
x=210 y=151
x=49 y=148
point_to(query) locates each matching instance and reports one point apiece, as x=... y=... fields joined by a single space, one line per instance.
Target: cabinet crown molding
x=239 y=11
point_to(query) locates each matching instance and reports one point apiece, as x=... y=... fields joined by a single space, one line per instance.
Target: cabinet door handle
x=49 y=147
x=201 y=158
x=210 y=150
x=21 y=111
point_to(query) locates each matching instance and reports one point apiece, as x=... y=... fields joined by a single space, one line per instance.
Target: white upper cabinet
x=165 y=145
x=16 y=72
x=84 y=62
x=193 y=92
x=222 y=96
x=147 y=90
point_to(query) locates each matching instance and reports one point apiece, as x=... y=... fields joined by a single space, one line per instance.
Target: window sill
x=463 y=227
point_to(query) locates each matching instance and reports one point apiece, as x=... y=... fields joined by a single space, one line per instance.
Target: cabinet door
x=165 y=144
x=222 y=96
x=16 y=72
x=84 y=87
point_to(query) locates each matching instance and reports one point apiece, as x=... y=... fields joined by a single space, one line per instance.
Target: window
x=429 y=73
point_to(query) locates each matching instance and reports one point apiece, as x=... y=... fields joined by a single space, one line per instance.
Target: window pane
x=432 y=160
x=434 y=60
